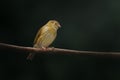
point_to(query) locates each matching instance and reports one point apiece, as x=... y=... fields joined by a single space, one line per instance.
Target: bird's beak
x=59 y=26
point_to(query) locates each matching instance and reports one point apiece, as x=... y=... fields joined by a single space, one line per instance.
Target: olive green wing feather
x=40 y=32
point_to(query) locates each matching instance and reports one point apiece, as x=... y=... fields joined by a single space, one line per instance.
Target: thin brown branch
x=4 y=46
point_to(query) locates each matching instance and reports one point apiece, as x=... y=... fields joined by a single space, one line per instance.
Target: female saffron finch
x=45 y=36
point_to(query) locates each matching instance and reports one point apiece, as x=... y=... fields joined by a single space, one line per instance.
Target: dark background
x=86 y=25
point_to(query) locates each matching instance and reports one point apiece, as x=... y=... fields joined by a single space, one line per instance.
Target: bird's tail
x=31 y=55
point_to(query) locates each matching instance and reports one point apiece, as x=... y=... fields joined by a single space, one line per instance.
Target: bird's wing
x=40 y=32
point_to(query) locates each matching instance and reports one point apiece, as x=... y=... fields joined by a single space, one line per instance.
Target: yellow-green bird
x=45 y=36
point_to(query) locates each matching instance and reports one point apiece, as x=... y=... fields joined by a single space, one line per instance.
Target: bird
x=45 y=36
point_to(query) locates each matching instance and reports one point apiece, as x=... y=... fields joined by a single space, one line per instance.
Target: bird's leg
x=52 y=48
x=44 y=48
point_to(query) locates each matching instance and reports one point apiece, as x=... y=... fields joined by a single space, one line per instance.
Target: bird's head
x=54 y=23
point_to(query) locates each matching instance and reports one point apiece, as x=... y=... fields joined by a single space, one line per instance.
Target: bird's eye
x=55 y=23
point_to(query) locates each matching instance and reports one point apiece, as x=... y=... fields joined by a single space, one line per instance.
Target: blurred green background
x=86 y=25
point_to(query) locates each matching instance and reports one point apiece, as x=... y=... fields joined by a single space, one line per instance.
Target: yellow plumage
x=45 y=36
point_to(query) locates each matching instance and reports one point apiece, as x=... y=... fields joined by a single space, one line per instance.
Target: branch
x=4 y=46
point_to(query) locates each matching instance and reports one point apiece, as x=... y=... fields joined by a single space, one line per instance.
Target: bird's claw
x=44 y=48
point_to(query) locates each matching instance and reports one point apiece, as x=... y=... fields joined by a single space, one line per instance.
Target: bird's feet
x=52 y=48
x=44 y=48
